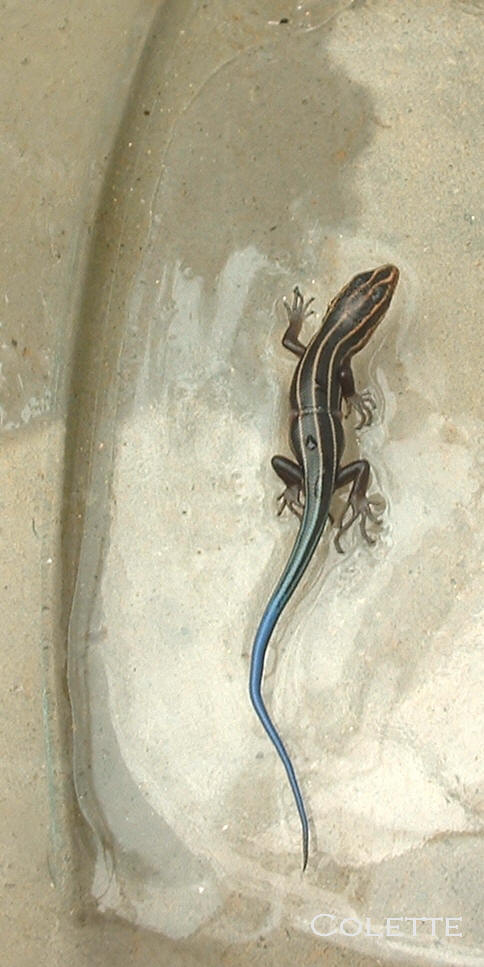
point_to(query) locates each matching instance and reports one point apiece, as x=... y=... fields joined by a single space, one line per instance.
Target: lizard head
x=362 y=304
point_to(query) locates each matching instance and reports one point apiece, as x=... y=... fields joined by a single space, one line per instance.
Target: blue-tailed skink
x=323 y=377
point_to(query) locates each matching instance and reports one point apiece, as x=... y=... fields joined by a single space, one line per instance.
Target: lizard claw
x=290 y=498
x=299 y=309
x=360 y=507
x=364 y=404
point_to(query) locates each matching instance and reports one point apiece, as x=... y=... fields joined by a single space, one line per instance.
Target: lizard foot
x=290 y=498
x=299 y=309
x=364 y=404
x=359 y=507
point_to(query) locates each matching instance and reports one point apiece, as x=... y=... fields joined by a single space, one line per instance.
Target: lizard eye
x=359 y=280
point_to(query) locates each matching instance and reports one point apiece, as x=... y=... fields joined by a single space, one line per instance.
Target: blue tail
x=264 y=632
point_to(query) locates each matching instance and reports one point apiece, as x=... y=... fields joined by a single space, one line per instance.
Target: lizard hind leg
x=358 y=506
x=292 y=476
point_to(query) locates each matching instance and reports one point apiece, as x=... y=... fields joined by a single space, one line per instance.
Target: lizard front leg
x=297 y=312
x=363 y=403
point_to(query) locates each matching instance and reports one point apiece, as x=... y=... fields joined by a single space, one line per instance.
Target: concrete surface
x=400 y=181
